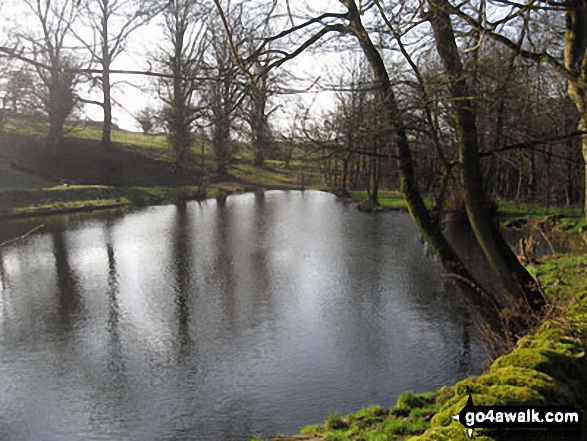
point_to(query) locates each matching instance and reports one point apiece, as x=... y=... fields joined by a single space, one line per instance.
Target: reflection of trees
x=465 y=360
x=115 y=356
x=182 y=260
x=240 y=274
x=70 y=302
x=3 y=285
x=361 y=322
x=255 y=258
x=462 y=238
x=223 y=271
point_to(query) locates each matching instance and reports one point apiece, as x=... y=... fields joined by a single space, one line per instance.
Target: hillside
x=137 y=169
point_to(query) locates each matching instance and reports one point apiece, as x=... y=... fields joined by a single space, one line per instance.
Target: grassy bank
x=548 y=367
x=506 y=210
x=137 y=170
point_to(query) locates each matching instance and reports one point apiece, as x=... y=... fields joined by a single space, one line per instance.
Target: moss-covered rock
x=548 y=367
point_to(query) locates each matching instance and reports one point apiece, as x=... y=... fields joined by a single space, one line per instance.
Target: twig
x=25 y=235
x=547 y=240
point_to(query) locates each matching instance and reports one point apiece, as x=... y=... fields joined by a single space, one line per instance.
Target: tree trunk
x=258 y=120
x=503 y=261
x=55 y=131
x=576 y=63
x=409 y=186
x=106 y=86
x=583 y=127
x=221 y=146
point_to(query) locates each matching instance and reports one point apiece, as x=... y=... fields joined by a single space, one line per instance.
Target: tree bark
x=409 y=186
x=106 y=86
x=503 y=261
x=576 y=63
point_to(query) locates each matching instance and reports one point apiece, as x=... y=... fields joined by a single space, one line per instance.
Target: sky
x=133 y=93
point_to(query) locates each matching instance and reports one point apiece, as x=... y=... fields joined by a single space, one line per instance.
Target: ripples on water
x=256 y=316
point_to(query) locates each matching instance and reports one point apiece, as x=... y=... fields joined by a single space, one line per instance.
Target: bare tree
x=226 y=89
x=48 y=44
x=515 y=277
x=184 y=29
x=573 y=65
x=352 y=22
x=20 y=96
x=258 y=116
x=113 y=21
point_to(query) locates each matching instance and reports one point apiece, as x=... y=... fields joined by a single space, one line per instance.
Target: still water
x=215 y=321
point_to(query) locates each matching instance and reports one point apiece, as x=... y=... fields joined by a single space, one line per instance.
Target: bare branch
x=532 y=144
x=536 y=56
x=24 y=236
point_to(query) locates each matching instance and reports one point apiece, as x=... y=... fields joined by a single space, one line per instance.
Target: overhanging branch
x=531 y=144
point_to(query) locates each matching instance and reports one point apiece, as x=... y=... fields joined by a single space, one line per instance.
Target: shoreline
x=546 y=367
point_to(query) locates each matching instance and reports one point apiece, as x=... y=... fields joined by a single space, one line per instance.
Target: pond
x=221 y=320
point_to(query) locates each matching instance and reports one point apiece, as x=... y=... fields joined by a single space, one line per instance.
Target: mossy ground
x=394 y=200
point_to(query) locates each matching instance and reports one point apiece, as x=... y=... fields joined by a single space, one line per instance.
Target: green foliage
x=389 y=200
x=410 y=401
x=335 y=422
x=410 y=416
x=508 y=209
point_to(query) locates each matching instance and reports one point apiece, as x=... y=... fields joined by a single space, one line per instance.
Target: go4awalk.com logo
x=549 y=419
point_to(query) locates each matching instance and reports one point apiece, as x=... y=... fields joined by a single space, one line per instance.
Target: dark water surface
x=212 y=321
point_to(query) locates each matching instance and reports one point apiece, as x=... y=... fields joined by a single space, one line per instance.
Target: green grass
x=508 y=209
x=143 y=173
x=391 y=200
x=34 y=127
x=410 y=416
x=264 y=177
x=82 y=197
x=560 y=275
x=37 y=127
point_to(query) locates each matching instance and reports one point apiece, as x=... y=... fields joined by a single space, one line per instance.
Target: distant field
x=120 y=136
x=39 y=128
x=512 y=209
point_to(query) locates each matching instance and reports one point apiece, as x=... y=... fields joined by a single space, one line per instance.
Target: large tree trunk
x=106 y=86
x=409 y=186
x=503 y=261
x=576 y=63
x=221 y=145
x=56 y=123
x=180 y=136
x=583 y=127
x=260 y=132
x=107 y=106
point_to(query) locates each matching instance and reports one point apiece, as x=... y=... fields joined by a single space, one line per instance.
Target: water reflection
x=254 y=315
x=69 y=299
x=181 y=263
x=115 y=353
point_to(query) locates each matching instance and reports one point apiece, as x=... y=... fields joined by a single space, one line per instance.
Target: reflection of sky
x=268 y=312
